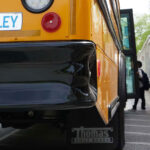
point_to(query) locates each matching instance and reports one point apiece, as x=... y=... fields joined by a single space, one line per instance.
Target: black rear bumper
x=51 y=75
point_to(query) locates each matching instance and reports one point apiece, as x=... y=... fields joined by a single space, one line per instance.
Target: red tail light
x=51 y=22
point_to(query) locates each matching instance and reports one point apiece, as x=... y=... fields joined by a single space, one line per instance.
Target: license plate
x=10 y=21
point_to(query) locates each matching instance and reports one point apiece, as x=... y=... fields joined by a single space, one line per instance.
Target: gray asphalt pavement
x=137 y=132
x=36 y=137
x=137 y=126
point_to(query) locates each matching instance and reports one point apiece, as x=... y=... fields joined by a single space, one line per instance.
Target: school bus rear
x=45 y=57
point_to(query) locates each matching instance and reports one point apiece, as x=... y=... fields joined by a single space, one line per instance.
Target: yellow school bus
x=59 y=56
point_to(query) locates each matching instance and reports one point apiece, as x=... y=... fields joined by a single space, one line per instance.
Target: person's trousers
x=142 y=96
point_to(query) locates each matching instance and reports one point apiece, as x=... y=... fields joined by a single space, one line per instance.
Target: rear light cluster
x=51 y=22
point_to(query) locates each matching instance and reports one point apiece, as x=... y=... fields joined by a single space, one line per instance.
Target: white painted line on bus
x=138 y=133
x=132 y=125
x=141 y=120
x=9 y=134
x=138 y=143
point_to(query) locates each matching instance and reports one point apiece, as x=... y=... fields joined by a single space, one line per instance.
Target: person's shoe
x=143 y=108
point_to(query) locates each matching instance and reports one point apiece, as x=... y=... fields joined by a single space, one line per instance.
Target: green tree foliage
x=142 y=30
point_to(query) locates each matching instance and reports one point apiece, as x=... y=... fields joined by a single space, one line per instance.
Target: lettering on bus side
x=91 y=135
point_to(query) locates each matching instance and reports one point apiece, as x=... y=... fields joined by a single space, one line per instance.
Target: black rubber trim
x=122 y=99
x=36 y=11
x=116 y=16
x=104 y=8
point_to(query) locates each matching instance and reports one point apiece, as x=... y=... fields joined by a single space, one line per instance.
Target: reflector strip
x=73 y=16
x=20 y=33
x=98 y=68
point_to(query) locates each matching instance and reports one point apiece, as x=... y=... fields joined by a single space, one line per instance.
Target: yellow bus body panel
x=107 y=54
x=75 y=18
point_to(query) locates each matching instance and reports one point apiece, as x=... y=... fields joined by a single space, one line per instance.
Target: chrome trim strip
x=112 y=108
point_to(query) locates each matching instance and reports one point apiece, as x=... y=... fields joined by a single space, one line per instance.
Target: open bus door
x=129 y=49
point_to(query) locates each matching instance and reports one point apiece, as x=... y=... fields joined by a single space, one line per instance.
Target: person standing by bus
x=143 y=85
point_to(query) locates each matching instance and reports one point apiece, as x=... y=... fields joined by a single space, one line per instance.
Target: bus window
x=125 y=31
x=130 y=75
